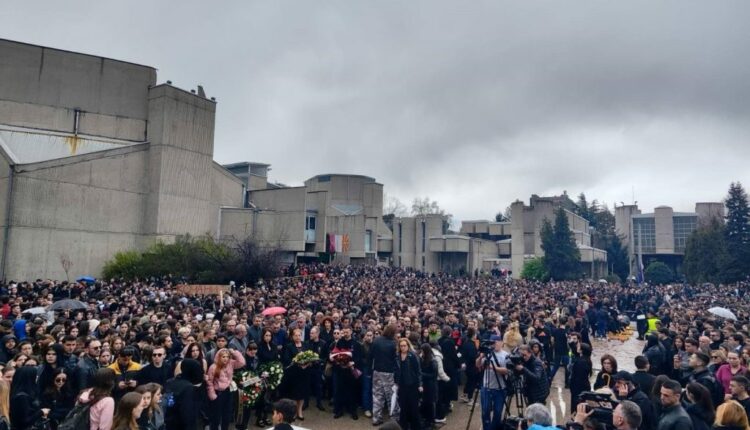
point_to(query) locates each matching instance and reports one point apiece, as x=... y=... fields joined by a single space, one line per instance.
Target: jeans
x=564 y=360
x=493 y=402
x=367 y=391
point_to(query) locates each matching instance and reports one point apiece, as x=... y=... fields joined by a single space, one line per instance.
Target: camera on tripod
x=487 y=347
x=513 y=423
x=602 y=404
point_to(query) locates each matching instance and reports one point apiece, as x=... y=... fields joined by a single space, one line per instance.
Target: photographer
x=626 y=416
x=493 y=392
x=536 y=384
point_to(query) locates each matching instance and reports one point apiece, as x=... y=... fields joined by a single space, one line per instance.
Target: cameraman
x=625 y=389
x=493 y=384
x=626 y=416
x=536 y=384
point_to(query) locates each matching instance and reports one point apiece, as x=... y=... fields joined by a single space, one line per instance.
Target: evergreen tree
x=658 y=273
x=706 y=256
x=737 y=233
x=561 y=254
x=617 y=256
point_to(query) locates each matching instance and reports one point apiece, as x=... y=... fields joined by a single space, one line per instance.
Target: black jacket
x=180 y=404
x=644 y=381
x=675 y=418
x=701 y=418
x=648 y=415
x=450 y=357
x=151 y=373
x=383 y=355
x=24 y=411
x=87 y=367
x=708 y=380
x=408 y=372
x=537 y=384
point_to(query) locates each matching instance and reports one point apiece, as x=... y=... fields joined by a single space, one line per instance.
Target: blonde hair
x=5 y=399
x=731 y=413
x=408 y=343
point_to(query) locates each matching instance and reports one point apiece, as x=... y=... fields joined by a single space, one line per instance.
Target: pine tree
x=706 y=256
x=561 y=254
x=737 y=233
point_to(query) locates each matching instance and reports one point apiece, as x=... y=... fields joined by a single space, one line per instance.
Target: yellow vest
x=652 y=325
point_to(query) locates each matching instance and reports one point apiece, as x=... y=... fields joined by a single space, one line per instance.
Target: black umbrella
x=67 y=304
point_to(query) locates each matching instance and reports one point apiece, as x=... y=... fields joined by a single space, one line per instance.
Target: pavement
x=558 y=402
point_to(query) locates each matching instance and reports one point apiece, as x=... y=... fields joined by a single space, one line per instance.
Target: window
x=368 y=241
x=310 y=222
x=423 y=262
x=400 y=249
x=644 y=229
x=683 y=226
x=324 y=178
x=424 y=239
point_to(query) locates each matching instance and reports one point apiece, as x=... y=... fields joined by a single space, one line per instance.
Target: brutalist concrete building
x=95 y=157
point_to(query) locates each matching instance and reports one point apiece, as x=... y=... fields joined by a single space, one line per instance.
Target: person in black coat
x=580 y=372
x=536 y=382
x=408 y=378
x=451 y=363
x=181 y=395
x=267 y=349
x=59 y=397
x=346 y=390
x=625 y=389
x=25 y=404
x=469 y=354
x=429 y=384
x=699 y=406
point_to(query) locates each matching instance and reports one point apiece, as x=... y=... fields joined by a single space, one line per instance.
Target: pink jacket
x=102 y=413
x=221 y=382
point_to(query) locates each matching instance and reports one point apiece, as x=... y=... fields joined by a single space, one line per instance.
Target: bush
x=197 y=260
x=534 y=270
x=612 y=278
x=658 y=273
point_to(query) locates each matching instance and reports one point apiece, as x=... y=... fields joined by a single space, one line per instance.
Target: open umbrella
x=67 y=304
x=86 y=279
x=276 y=310
x=35 y=311
x=723 y=313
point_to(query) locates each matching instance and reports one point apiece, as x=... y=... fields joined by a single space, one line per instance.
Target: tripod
x=489 y=359
x=515 y=389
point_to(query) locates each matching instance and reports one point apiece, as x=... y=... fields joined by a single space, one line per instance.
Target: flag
x=345 y=243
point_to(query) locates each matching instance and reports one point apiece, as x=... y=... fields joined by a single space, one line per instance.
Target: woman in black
x=580 y=373
x=58 y=397
x=604 y=377
x=296 y=380
x=25 y=406
x=267 y=351
x=50 y=358
x=408 y=379
x=429 y=384
x=699 y=406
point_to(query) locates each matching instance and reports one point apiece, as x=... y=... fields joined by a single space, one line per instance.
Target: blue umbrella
x=87 y=279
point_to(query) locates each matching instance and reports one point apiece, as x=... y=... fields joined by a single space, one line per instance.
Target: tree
x=706 y=256
x=561 y=254
x=582 y=207
x=425 y=206
x=534 y=270
x=737 y=233
x=392 y=208
x=66 y=264
x=658 y=273
x=617 y=256
x=503 y=216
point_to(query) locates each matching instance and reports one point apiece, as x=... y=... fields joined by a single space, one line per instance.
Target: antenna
x=633 y=190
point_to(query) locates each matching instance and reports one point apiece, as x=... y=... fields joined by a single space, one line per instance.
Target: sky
x=473 y=104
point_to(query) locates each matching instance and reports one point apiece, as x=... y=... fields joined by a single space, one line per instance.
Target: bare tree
x=66 y=264
x=425 y=206
x=393 y=206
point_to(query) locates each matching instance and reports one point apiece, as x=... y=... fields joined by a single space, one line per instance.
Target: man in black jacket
x=642 y=378
x=536 y=382
x=673 y=416
x=625 y=389
x=157 y=371
x=88 y=364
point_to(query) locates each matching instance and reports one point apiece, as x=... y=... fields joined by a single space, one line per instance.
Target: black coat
x=25 y=410
x=701 y=418
x=648 y=415
x=675 y=418
x=644 y=381
x=451 y=362
x=537 y=384
x=408 y=372
x=181 y=400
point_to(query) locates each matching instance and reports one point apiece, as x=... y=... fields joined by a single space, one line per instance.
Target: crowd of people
x=401 y=347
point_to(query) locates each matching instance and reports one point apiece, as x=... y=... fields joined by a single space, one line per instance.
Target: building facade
x=96 y=158
x=661 y=235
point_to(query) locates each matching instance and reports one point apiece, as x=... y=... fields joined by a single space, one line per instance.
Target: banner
x=203 y=290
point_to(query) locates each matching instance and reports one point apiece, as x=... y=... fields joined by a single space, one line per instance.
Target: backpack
x=78 y=418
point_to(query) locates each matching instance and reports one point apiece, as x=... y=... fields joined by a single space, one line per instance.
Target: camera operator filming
x=492 y=360
x=536 y=384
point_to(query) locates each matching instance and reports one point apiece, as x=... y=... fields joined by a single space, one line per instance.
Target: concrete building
x=661 y=235
x=95 y=158
x=332 y=217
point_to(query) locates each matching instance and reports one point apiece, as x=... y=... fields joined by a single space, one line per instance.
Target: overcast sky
x=474 y=106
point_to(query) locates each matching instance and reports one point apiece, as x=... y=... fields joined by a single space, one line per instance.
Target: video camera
x=514 y=423
x=602 y=404
x=487 y=347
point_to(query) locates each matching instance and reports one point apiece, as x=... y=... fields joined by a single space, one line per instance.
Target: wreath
x=271 y=373
x=250 y=386
x=305 y=357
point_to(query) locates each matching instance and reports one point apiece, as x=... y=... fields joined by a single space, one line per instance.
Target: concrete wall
x=85 y=207
x=269 y=228
x=181 y=167
x=664 y=223
x=41 y=87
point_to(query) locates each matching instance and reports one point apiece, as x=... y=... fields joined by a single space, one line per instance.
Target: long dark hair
x=586 y=356
x=427 y=355
x=24 y=382
x=50 y=389
x=124 y=413
x=102 y=384
x=702 y=398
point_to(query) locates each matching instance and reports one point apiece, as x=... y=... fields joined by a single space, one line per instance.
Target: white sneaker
x=440 y=421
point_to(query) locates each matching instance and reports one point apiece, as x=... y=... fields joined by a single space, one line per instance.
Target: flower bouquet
x=271 y=373
x=305 y=358
x=250 y=386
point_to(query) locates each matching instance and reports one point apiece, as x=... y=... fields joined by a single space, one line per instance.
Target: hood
x=192 y=371
x=6 y=338
x=19 y=329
